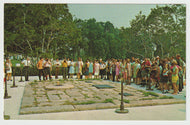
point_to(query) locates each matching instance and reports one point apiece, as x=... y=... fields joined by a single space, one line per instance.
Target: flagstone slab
x=83 y=96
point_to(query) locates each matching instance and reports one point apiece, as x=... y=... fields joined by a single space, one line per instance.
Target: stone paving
x=84 y=96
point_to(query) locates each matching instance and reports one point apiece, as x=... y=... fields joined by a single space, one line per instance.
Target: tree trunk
x=43 y=40
x=162 y=50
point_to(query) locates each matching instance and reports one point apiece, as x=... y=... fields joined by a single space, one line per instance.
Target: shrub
x=32 y=71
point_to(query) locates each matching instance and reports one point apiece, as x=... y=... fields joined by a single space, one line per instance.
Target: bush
x=33 y=71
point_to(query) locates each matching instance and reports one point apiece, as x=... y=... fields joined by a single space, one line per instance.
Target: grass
x=145 y=93
x=58 y=95
x=85 y=103
x=47 y=96
x=115 y=98
x=46 y=105
x=97 y=97
x=108 y=101
x=148 y=98
x=61 y=80
x=88 y=79
x=68 y=103
x=36 y=102
x=6 y=117
x=86 y=96
x=33 y=83
x=153 y=94
x=166 y=97
x=126 y=101
x=66 y=93
x=34 y=91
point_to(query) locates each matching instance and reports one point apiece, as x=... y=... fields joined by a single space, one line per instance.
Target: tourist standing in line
x=101 y=68
x=57 y=65
x=97 y=69
x=90 y=69
x=86 y=69
x=111 y=76
x=80 y=66
x=117 y=70
x=123 y=70
x=138 y=71
x=108 y=69
x=27 y=64
x=181 y=65
x=8 y=65
x=47 y=66
x=94 y=66
x=71 y=69
x=135 y=71
x=164 y=80
x=175 y=77
x=129 y=72
x=41 y=68
x=68 y=67
x=132 y=67
x=143 y=73
x=154 y=73
x=113 y=69
x=77 y=68
x=64 y=68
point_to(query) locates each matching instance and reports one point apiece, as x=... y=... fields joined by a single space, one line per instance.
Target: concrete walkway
x=162 y=112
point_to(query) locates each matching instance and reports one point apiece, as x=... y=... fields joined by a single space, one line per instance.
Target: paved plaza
x=45 y=99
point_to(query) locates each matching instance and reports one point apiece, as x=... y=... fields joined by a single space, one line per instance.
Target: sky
x=119 y=15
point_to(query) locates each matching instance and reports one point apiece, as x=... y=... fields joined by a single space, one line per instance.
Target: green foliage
x=148 y=98
x=126 y=101
x=86 y=96
x=153 y=94
x=108 y=101
x=6 y=117
x=33 y=83
x=49 y=30
x=97 y=97
x=145 y=93
x=166 y=97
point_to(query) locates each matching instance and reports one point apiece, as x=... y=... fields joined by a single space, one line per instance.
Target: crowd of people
x=164 y=74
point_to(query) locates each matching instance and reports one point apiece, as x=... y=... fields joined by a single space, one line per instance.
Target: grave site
x=79 y=95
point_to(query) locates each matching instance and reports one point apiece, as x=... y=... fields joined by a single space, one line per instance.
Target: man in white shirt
x=27 y=64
